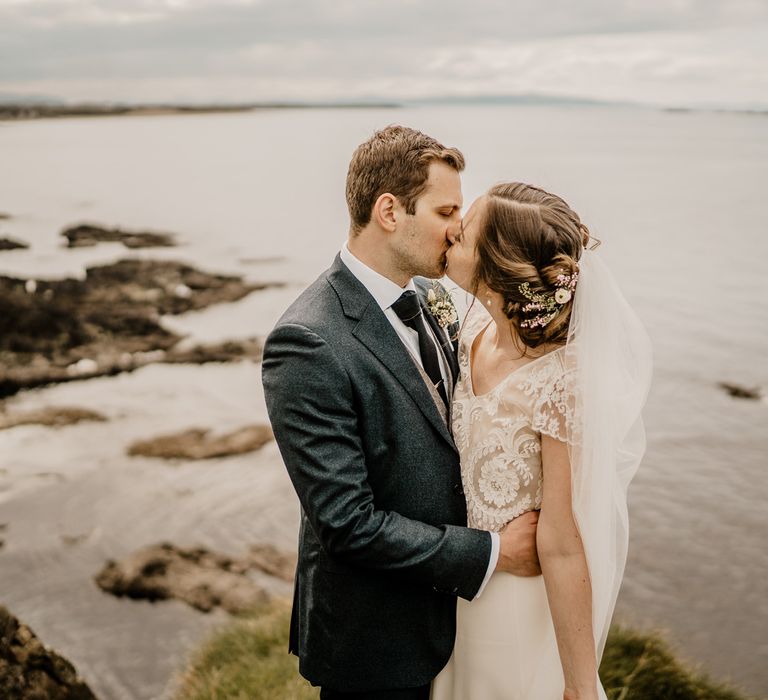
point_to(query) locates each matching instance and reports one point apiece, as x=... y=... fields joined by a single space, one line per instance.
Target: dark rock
x=741 y=392
x=12 y=244
x=228 y=351
x=53 y=416
x=198 y=444
x=4 y=216
x=30 y=671
x=85 y=235
x=203 y=579
x=72 y=540
x=60 y=330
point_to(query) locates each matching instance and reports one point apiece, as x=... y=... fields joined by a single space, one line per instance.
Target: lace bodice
x=498 y=433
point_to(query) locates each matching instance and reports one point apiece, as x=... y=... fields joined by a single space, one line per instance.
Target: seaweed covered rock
x=201 y=578
x=198 y=443
x=30 y=671
x=51 y=416
x=109 y=322
x=12 y=244
x=85 y=235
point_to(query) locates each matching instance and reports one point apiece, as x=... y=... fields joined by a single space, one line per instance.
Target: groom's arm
x=311 y=407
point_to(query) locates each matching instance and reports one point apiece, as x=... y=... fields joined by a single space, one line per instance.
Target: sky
x=686 y=53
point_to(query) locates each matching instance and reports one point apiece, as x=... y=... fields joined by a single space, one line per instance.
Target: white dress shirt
x=385 y=292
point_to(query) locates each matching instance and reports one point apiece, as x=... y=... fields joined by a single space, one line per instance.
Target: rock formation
x=109 y=322
x=741 y=392
x=53 y=416
x=30 y=671
x=197 y=443
x=203 y=579
x=85 y=235
x=12 y=244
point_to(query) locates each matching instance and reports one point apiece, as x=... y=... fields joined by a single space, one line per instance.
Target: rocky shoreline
x=109 y=322
x=31 y=671
x=45 y=110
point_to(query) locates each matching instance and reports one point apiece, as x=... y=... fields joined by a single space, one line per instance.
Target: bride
x=555 y=368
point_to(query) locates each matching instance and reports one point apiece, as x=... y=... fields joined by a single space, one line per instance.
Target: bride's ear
x=385 y=211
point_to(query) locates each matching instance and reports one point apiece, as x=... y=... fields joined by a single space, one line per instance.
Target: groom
x=357 y=376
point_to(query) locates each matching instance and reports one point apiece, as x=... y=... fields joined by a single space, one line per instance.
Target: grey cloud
x=360 y=44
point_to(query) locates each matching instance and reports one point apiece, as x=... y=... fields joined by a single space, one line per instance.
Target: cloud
x=703 y=51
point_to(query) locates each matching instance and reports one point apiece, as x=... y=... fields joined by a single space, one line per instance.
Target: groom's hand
x=518 y=554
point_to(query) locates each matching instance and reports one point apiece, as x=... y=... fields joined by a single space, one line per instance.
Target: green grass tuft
x=248 y=660
x=641 y=666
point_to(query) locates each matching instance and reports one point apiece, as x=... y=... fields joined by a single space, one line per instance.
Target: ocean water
x=677 y=199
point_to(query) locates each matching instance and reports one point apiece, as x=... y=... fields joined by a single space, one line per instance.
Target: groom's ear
x=385 y=211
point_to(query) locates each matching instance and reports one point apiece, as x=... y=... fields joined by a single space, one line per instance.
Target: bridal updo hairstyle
x=395 y=159
x=529 y=235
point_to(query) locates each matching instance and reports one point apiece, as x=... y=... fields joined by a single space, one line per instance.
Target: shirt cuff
x=495 y=547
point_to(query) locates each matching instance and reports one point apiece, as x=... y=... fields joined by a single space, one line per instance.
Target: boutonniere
x=441 y=306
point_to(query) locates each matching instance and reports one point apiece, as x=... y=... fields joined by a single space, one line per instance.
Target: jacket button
x=458 y=490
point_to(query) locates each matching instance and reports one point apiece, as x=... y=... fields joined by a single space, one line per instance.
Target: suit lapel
x=375 y=332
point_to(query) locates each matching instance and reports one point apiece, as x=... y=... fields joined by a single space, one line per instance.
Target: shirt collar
x=384 y=291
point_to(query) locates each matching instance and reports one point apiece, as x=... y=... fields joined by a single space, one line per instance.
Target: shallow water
x=677 y=200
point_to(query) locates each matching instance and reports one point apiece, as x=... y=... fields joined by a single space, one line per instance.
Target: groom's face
x=424 y=237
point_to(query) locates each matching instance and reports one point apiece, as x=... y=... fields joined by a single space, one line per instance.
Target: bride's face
x=462 y=255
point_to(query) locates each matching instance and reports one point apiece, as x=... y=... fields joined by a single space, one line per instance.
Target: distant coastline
x=52 y=108
x=37 y=110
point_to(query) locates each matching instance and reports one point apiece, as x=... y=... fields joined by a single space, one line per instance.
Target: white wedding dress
x=505 y=642
x=589 y=394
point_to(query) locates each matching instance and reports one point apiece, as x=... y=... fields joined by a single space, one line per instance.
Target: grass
x=248 y=660
x=641 y=666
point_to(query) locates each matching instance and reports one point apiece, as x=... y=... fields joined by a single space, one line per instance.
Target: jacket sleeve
x=310 y=402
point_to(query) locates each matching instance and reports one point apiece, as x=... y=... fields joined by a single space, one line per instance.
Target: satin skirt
x=505 y=645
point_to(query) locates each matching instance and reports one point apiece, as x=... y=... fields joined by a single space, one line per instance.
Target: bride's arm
x=566 y=575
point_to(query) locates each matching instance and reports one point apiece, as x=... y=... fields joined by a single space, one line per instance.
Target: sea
x=678 y=200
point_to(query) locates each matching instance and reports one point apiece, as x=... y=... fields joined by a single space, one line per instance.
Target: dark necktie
x=408 y=310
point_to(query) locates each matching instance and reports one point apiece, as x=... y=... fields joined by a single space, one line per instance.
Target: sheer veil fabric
x=609 y=361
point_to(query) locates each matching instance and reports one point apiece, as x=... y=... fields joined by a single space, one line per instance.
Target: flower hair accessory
x=441 y=306
x=548 y=305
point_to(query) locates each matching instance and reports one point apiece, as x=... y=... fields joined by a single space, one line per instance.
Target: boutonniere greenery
x=441 y=306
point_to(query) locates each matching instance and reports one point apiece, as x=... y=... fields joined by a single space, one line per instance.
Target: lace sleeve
x=554 y=401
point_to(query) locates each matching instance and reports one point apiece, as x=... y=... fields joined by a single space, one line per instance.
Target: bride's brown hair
x=529 y=235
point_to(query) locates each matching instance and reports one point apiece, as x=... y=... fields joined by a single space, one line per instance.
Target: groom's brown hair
x=395 y=159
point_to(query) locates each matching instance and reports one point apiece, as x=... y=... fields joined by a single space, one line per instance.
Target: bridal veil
x=609 y=357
